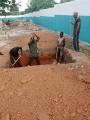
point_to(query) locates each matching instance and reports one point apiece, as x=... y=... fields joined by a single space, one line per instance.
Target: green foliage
x=3 y=5
x=8 y=7
x=83 y=48
x=14 y=9
x=35 y=5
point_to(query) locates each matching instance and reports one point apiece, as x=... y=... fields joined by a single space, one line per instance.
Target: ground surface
x=46 y=92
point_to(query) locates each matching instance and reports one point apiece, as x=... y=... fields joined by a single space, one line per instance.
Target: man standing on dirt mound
x=34 y=52
x=76 y=32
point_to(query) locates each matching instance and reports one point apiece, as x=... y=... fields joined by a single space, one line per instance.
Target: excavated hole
x=47 y=56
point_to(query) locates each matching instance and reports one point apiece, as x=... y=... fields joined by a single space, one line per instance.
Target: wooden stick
x=16 y=61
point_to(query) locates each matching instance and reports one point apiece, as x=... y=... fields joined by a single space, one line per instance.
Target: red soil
x=46 y=92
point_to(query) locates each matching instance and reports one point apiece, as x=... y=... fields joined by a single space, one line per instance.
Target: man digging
x=15 y=55
x=34 y=52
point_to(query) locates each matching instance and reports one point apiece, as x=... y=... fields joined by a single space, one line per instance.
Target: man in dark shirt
x=76 y=32
x=34 y=53
x=14 y=55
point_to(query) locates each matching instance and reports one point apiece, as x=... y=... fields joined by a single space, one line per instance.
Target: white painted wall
x=80 y=6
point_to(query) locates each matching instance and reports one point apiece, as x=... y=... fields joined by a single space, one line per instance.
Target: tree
x=4 y=4
x=14 y=9
x=35 y=5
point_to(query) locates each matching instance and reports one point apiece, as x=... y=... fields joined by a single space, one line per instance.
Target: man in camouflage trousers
x=34 y=53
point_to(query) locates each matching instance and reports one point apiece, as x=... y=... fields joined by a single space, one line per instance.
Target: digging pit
x=47 y=50
x=47 y=56
x=44 y=93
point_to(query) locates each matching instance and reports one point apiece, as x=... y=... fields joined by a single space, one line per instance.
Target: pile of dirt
x=51 y=92
x=46 y=92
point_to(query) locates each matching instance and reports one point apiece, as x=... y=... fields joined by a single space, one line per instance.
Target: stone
x=60 y=96
x=70 y=68
x=55 y=100
x=82 y=66
x=26 y=80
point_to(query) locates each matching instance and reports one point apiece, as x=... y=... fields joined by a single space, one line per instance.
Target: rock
x=23 y=81
x=70 y=68
x=60 y=96
x=82 y=66
x=50 y=98
x=26 y=80
x=55 y=100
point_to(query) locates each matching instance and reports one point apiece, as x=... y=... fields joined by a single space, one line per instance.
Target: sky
x=58 y=1
x=24 y=4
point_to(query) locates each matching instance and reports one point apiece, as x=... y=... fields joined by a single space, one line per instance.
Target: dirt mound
x=47 y=49
x=46 y=92
x=46 y=57
x=68 y=57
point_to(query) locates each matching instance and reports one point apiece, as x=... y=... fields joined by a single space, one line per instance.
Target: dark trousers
x=12 y=59
x=36 y=59
x=76 y=42
x=60 y=54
